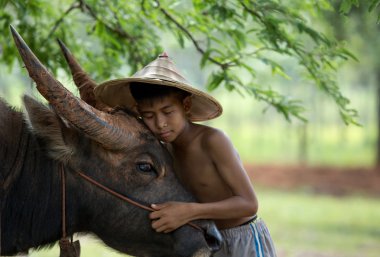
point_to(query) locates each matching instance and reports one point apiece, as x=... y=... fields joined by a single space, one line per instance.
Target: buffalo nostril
x=213 y=238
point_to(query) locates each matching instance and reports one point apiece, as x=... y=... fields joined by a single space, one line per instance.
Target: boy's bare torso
x=197 y=171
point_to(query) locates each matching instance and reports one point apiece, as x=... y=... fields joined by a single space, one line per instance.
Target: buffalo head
x=117 y=150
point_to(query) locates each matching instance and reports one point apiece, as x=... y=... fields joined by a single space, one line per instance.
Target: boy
x=204 y=157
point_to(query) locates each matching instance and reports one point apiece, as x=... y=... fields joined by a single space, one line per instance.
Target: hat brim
x=116 y=93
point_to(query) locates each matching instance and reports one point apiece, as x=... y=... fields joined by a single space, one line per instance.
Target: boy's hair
x=144 y=91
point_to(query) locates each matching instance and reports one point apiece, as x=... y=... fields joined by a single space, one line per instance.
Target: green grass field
x=302 y=224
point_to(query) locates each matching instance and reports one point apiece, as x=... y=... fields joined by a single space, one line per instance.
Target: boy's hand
x=169 y=216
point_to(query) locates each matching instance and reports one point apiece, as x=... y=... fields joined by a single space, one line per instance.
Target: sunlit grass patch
x=301 y=222
x=90 y=247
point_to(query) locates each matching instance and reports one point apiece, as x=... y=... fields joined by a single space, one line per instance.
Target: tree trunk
x=303 y=145
x=378 y=120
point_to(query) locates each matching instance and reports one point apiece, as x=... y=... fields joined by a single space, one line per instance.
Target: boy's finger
x=154 y=225
x=158 y=228
x=157 y=206
x=154 y=215
x=158 y=224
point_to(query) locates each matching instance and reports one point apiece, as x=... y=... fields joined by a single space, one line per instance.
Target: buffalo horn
x=98 y=125
x=81 y=79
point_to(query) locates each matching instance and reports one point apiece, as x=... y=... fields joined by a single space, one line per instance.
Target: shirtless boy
x=204 y=157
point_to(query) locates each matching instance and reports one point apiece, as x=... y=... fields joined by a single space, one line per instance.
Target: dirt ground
x=324 y=180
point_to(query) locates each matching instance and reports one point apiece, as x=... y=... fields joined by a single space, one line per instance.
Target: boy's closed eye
x=168 y=112
x=147 y=115
x=168 y=109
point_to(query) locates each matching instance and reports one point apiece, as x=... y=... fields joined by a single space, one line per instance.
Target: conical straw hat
x=159 y=72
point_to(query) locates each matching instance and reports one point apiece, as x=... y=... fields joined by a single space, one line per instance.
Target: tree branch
x=58 y=22
x=117 y=30
x=224 y=66
x=252 y=12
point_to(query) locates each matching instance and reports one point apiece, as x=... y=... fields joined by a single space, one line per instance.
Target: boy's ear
x=187 y=103
x=135 y=111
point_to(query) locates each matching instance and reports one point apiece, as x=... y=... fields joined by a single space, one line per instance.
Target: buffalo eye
x=145 y=167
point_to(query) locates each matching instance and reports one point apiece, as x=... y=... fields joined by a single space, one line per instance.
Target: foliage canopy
x=229 y=35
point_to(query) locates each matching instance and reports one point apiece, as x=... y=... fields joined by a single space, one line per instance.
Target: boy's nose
x=161 y=123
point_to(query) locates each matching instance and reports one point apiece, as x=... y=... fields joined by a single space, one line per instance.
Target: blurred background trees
x=229 y=36
x=283 y=56
x=362 y=29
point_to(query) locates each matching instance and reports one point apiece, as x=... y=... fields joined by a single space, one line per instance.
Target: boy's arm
x=242 y=203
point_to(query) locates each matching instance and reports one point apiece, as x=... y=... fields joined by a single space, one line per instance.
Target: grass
x=269 y=138
x=301 y=224
x=304 y=224
x=90 y=247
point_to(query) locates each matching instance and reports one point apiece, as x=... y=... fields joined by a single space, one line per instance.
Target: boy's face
x=165 y=116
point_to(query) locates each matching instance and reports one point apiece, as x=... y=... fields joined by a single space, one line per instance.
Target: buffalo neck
x=31 y=202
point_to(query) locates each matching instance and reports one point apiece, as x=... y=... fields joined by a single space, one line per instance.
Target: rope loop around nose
x=125 y=198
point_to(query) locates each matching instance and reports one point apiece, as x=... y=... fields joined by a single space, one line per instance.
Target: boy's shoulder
x=207 y=131
x=212 y=137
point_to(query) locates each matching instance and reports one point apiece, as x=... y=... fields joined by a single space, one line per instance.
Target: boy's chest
x=198 y=173
x=193 y=167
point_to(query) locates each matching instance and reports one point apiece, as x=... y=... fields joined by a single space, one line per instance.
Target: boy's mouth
x=164 y=134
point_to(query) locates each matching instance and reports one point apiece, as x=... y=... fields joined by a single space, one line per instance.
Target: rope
x=120 y=196
x=63 y=202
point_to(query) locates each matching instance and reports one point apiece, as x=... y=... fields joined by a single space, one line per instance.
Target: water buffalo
x=114 y=148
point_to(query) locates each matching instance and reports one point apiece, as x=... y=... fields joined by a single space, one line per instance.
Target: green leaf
x=215 y=79
x=180 y=39
x=373 y=5
x=346 y=5
x=3 y=3
x=205 y=57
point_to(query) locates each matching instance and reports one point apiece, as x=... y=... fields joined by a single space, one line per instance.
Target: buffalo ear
x=48 y=126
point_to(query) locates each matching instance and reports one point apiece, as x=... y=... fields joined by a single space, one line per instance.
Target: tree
x=347 y=5
x=230 y=35
x=363 y=23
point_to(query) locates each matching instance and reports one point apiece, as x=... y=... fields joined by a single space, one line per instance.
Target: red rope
x=120 y=196
x=63 y=202
x=113 y=192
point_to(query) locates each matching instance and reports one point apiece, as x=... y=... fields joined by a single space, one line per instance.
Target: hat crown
x=161 y=71
x=162 y=68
